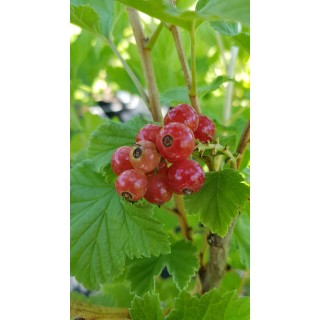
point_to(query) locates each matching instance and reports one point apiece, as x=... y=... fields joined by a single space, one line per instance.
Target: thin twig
x=179 y=208
x=147 y=65
x=150 y=43
x=184 y=66
x=131 y=74
x=244 y=140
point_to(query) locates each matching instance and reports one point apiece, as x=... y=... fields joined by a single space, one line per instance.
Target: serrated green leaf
x=105 y=229
x=111 y=135
x=211 y=306
x=95 y=16
x=221 y=198
x=182 y=264
x=146 y=308
x=226 y=28
x=141 y=273
x=85 y=17
x=241 y=235
x=238 y=10
x=232 y=28
x=244 y=40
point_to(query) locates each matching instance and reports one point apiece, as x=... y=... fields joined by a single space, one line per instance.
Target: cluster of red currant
x=143 y=170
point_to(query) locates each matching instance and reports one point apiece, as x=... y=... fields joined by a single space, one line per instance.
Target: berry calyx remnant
x=144 y=156
x=175 y=141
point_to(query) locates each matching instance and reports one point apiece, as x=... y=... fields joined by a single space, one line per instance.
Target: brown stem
x=244 y=140
x=185 y=67
x=147 y=65
x=212 y=274
x=180 y=211
x=80 y=310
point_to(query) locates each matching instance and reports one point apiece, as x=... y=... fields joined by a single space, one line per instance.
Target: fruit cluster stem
x=180 y=210
x=147 y=65
x=215 y=148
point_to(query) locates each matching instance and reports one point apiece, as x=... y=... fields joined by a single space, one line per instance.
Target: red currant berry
x=148 y=132
x=159 y=189
x=144 y=156
x=132 y=185
x=175 y=141
x=206 y=129
x=120 y=160
x=183 y=113
x=186 y=177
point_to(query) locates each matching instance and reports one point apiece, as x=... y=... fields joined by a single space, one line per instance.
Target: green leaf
x=162 y=10
x=238 y=10
x=214 y=85
x=182 y=264
x=211 y=306
x=146 y=308
x=95 y=16
x=180 y=94
x=105 y=230
x=226 y=28
x=238 y=309
x=244 y=40
x=242 y=236
x=85 y=17
x=221 y=198
x=232 y=28
x=110 y=136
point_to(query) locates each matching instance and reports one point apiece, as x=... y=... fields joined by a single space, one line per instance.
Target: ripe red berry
x=148 y=132
x=132 y=185
x=175 y=141
x=206 y=129
x=144 y=156
x=159 y=189
x=183 y=113
x=186 y=177
x=120 y=160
